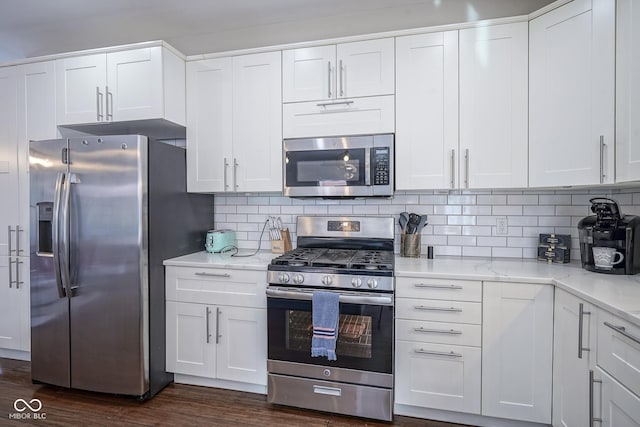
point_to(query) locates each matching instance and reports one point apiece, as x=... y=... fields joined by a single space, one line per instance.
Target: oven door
x=365 y=330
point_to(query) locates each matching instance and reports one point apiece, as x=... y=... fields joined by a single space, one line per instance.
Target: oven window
x=354 y=334
x=365 y=335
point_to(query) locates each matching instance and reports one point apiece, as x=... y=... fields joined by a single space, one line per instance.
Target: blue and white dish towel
x=325 y=310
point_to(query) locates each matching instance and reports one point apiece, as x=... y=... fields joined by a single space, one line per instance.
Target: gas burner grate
x=337 y=258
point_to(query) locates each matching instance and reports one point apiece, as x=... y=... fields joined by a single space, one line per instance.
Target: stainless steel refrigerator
x=105 y=212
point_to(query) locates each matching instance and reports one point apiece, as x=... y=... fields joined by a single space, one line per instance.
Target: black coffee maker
x=607 y=239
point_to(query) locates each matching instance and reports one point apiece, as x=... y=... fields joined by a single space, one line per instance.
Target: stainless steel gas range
x=351 y=256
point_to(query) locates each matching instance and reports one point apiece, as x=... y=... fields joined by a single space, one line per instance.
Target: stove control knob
x=327 y=280
x=298 y=279
x=283 y=278
x=372 y=283
x=356 y=282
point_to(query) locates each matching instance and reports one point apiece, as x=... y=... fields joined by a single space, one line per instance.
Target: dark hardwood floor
x=176 y=405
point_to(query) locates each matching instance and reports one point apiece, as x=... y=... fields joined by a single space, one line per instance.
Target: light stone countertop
x=618 y=294
x=203 y=259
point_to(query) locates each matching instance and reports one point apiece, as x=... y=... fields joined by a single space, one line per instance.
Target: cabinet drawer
x=217 y=286
x=439 y=311
x=438 y=376
x=443 y=289
x=370 y=115
x=439 y=332
x=618 y=350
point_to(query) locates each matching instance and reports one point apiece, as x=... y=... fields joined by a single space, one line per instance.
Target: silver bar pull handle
x=331 y=391
x=438 y=353
x=207 y=331
x=326 y=104
x=18 y=231
x=581 y=314
x=622 y=330
x=64 y=240
x=602 y=150
x=213 y=274
x=425 y=285
x=329 y=82
x=367 y=166
x=224 y=174
x=218 y=312
x=99 y=115
x=18 y=281
x=466 y=168
x=11 y=282
x=109 y=104
x=592 y=381
x=340 y=78
x=452 y=309
x=55 y=233
x=437 y=331
x=9 y=240
x=235 y=173
x=453 y=168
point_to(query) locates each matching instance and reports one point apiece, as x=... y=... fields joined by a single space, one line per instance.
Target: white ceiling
x=31 y=28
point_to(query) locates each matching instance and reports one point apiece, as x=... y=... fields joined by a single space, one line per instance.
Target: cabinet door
x=618 y=406
x=14 y=304
x=134 y=85
x=9 y=182
x=191 y=342
x=517 y=340
x=308 y=74
x=257 y=122
x=627 y=91
x=494 y=106
x=36 y=121
x=80 y=89
x=209 y=125
x=365 y=68
x=242 y=344
x=427 y=111
x=571 y=89
x=570 y=365
x=438 y=376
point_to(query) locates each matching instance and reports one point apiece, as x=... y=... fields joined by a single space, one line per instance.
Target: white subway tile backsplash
x=506 y=210
x=460 y=223
x=524 y=199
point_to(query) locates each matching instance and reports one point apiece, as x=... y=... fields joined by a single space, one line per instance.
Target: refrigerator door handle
x=64 y=221
x=55 y=233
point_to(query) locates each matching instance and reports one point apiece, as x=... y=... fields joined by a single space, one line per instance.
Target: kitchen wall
x=461 y=223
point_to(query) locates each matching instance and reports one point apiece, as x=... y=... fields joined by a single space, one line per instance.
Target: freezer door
x=50 y=362
x=108 y=259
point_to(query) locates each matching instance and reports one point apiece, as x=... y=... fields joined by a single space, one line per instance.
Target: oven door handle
x=351 y=298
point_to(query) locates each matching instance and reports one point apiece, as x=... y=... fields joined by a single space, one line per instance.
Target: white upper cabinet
x=571 y=94
x=493 y=106
x=257 y=122
x=427 y=111
x=137 y=84
x=345 y=70
x=628 y=91
x=209 y=125
x=234 y=124
x=9 y=181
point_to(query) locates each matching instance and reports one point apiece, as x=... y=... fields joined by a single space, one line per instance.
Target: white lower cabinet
x=217 y=325
x=517 y=340
x=438 y=335
x=618 y=406
x=14 y=304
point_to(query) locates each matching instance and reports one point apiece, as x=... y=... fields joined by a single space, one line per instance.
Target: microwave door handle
x=367 y=166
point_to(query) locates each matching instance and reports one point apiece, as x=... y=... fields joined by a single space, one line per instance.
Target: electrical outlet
x=501 y=226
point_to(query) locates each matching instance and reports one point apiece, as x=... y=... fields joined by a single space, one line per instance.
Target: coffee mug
x=605 y=257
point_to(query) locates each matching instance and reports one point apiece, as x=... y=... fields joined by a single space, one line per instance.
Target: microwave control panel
x=381 y=168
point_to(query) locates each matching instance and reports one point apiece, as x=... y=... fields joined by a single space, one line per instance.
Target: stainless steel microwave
x=348 y=166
